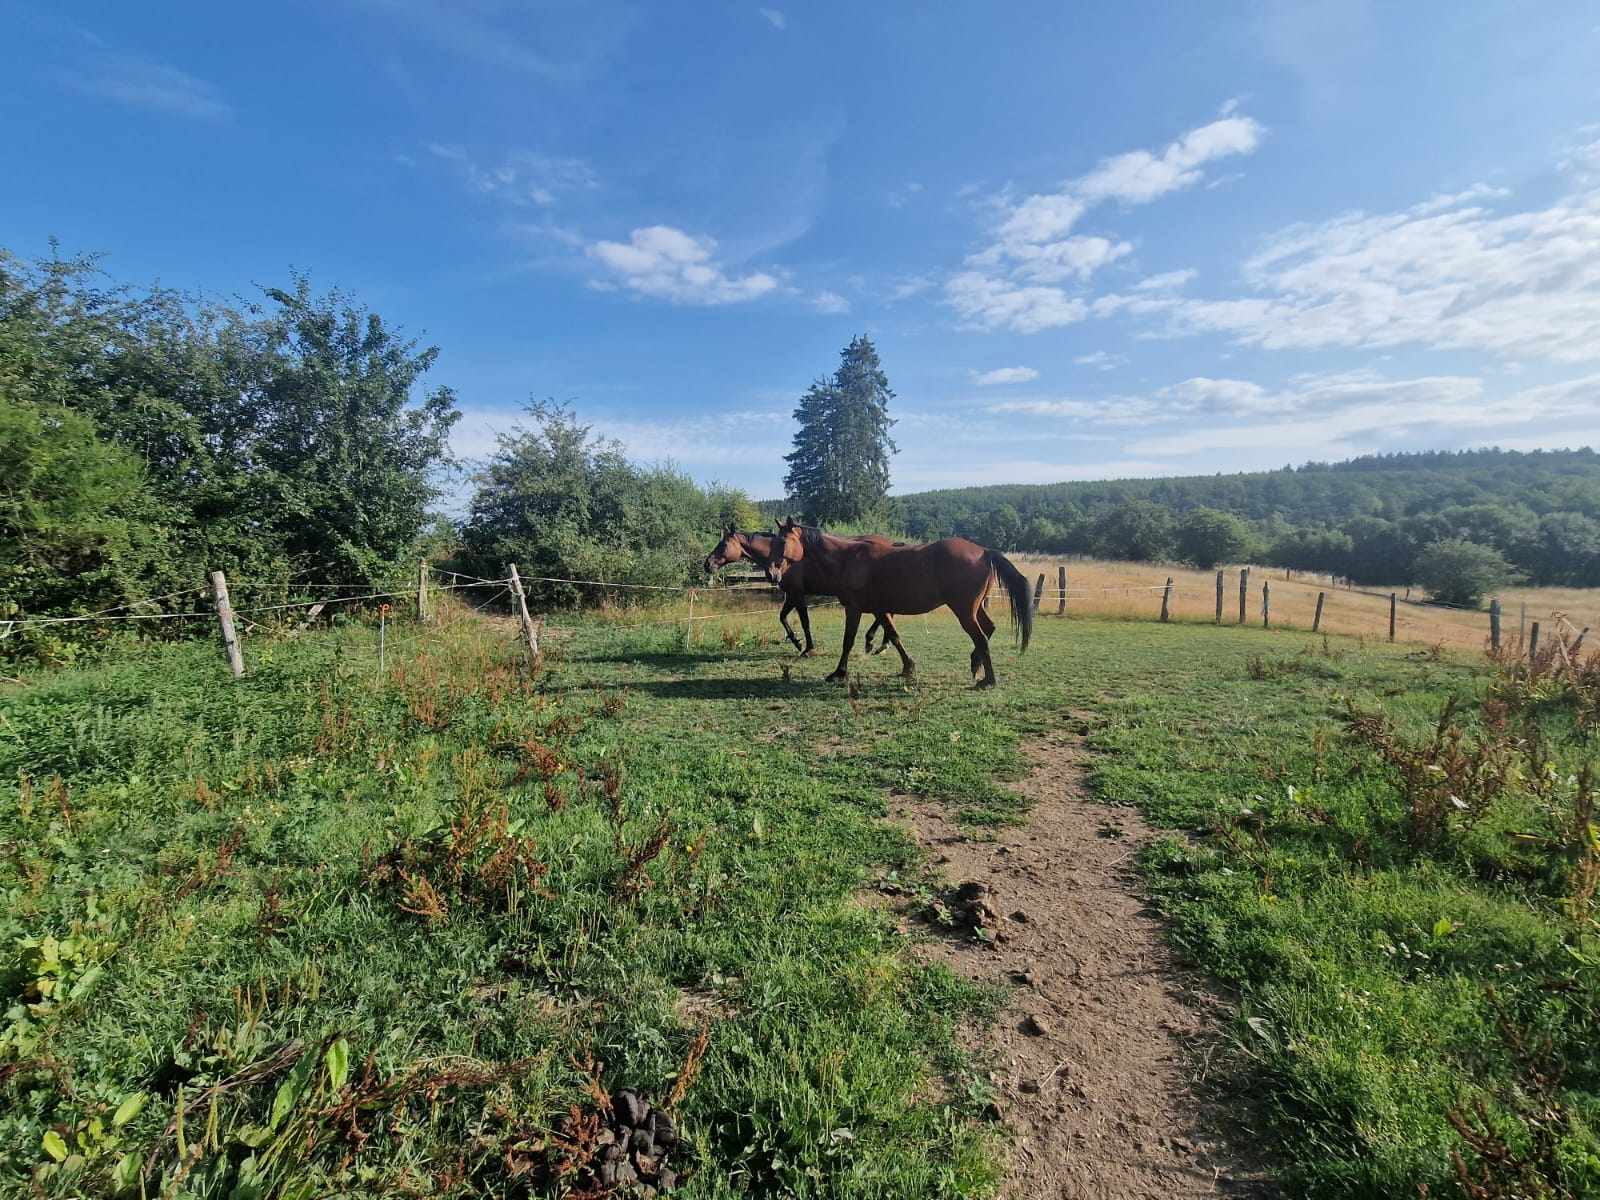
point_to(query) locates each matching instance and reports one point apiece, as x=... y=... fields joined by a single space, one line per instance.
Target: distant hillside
x=1367 y=518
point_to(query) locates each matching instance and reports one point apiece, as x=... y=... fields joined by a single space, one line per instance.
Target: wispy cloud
x=668 y=264
x=830 y=303
x=1447 y=274
x=140 y=82
x=903 y=195
x=775 y=18
x=520 y=177
x=1101 y=360
x=511 y=37
x=1003 y=375
x=1017 y=281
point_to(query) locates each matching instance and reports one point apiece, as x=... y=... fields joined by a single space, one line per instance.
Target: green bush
x=1456 y=571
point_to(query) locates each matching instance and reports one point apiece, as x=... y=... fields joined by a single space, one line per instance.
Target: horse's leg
x=852 y=622
x=980 y=643
x=891 y=634
x=877 y=627
x=805 y=624
x=789 y=605
x=987 y=622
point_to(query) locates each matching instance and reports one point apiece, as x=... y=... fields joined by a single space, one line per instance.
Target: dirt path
x=1095 y=1055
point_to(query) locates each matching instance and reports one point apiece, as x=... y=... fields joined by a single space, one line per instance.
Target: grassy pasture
x=1357 y=613
x=383 y=935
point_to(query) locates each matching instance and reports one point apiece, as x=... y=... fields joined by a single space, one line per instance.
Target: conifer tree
x=839 y=468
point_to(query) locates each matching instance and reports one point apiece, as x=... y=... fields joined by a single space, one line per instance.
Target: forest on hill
x=1372 y=519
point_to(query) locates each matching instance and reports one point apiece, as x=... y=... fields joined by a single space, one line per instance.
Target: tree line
x=1372 y=520
x=290 y=439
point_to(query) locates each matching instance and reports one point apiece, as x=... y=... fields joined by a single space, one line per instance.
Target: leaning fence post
x=1266 y=604
x=530 y=635
x=422 y=590
x=1244 y=585
x=1533 y=642
x=1166 y=599
x=1572 y=651
x=230 y=640
x=1393 y=607
x=1061 y=578
x=1219 y=597
x=1038 y=592
x=1494 y=624
x=1316 y=621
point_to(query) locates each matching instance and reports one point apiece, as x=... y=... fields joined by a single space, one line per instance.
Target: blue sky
x=1089 y=241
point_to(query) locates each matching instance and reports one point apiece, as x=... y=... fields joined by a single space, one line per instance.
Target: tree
x=1460 y=572
x=1206 y=537
x=1135 y=529
x=839 y=467
x=563 y=504
x=75 y=518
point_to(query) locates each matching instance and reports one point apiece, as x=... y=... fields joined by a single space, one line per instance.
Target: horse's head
x=735 y=546
x=787 y=549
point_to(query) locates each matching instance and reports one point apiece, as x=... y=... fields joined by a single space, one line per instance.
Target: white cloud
x=669 y=264
x=1446 y=274
x=1001 y=375
x=144 y=83
x=1101 y=360
x=911 y=285
x=830 y=303
x=1167 y=281
x=519 y=177
x=702 y=440
x=987 y=302
x=775 y=18
x=1139 y=177
x=1015 y=282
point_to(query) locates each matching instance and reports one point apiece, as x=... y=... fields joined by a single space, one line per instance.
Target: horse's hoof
x=838 y=677
x=982 y=685
x=908 y=673
x=808 y=652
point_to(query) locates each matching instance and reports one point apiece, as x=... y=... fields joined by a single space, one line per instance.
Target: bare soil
x=1098 y=1057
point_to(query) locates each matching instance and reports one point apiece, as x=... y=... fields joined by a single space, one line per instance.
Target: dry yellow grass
x=1133 y=591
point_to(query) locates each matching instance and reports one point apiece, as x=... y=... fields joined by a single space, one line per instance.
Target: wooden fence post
x=1533 y=642
x=1219 y=597
x=1166 y=598
x=1266 y=604
x=1572 y=652
x=530 y=635
x=1038 y=592
x=688 y=626
x=1394 y=604
x=230 y=640
x=422 y=590
x=1061 y=578
x=1316 y=621
x=1244 y=584
x=1494 y=624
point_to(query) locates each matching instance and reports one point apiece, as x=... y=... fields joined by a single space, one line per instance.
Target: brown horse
x=757 y=548
x=869 y=576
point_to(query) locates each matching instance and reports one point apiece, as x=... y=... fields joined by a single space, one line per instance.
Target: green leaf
x=337 y=1060
x=1443 y=928
x=54 y=1146
x=290 y=1090
x=126 y=1173
x=130 y=1108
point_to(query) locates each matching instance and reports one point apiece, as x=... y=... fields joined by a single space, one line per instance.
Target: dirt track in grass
x=1098 y=1055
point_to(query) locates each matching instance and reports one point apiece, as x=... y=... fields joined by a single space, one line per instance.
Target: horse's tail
x=1016 y=585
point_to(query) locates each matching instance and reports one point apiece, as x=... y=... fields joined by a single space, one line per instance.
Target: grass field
x=1132 y=591
x=324 y=931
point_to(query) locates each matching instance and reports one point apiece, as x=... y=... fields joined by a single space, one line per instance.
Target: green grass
x=213 y=871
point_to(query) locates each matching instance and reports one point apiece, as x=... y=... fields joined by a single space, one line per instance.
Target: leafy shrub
x=1456 y=571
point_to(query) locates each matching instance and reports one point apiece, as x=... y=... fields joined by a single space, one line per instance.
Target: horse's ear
x=728 y=528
